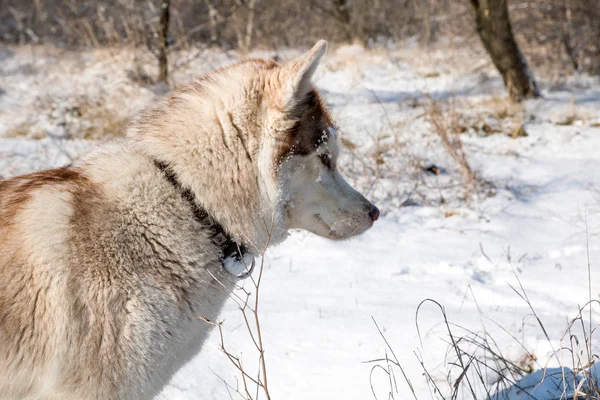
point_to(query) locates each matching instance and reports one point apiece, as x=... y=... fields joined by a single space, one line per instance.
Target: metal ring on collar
x=249 y=271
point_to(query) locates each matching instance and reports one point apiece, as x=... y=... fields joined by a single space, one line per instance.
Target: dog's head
x=255 y=139
x=303 y=140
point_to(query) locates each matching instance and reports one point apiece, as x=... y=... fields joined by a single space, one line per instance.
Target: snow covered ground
x=436 y=240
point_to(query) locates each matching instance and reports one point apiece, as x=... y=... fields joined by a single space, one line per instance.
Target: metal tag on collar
x=241 y=268
x=219 y=239
x=248 y=272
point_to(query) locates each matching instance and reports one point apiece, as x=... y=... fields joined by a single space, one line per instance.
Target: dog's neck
x=214 y=150
x=229 y=248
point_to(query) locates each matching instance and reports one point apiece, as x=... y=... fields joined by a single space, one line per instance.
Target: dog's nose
x=374 y=213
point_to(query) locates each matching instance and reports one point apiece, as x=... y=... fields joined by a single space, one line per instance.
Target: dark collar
x=229 y=248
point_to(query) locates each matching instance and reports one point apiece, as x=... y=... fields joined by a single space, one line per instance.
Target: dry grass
x=81 y=118
x=398 y=170
x=448 y=127
x=252 y=383
x=479 y=368
x=572 y=116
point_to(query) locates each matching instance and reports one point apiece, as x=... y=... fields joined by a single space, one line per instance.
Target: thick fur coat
x=103 y=267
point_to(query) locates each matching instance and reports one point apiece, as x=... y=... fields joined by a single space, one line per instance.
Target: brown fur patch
x=310 y=130
x=15 y=192
x=26 y=324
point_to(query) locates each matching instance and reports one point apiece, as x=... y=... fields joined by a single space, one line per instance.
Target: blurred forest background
x=564 y=34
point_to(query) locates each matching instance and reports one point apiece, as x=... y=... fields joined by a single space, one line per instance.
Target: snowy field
x=532 y=214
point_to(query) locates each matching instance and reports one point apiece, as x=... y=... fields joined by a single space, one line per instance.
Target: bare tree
x=249 y=25
x=243 y=23
x=494 y=28
x=568 y=34
x=213 y=15
x=163 y=32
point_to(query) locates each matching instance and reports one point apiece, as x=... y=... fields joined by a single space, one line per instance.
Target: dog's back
x=99 y=274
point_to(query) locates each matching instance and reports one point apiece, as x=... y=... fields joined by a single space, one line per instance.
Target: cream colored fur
x=103 y=267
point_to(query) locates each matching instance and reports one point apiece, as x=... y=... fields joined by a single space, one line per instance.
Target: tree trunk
x=249 y=25
x=163 y=32
x=494 y=29
x=567 y=36
x=213 y=15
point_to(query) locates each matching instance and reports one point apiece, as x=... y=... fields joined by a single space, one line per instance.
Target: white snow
x=550 y=383
x=318 y=297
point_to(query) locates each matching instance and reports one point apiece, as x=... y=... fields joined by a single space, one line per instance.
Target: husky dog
x=106 y=264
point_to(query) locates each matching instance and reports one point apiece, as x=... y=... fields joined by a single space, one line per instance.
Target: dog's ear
x=297 y=75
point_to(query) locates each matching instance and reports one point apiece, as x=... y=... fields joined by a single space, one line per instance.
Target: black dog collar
x=229 y=248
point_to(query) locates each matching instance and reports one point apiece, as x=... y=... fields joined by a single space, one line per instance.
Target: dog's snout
x=374 y=213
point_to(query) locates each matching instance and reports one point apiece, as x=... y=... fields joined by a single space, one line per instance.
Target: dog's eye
x=327 y=160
